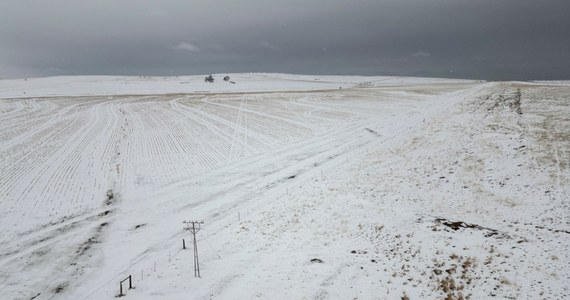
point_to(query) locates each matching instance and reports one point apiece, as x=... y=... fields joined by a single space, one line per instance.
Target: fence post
x=130 y=278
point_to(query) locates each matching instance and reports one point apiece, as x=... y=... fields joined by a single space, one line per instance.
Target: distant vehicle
x=209 y=79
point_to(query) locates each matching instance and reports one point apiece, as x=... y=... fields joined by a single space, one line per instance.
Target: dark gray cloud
x=486 y=39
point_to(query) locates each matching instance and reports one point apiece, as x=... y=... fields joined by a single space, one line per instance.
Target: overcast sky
x=485 y=39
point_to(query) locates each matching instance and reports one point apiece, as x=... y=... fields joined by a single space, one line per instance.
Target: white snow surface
x=384 y=189
x=153 y=85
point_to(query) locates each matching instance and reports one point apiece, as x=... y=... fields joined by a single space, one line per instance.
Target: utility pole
x=194 y=227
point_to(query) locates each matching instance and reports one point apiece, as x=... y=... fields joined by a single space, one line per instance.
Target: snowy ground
x=389 y=187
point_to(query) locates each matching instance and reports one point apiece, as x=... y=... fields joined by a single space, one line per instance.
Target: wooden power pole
x=194 y=227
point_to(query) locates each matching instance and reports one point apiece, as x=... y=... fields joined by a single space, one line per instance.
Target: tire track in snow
x=216 y=125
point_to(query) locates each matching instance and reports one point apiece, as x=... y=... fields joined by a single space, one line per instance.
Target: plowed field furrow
x=71 y=159
x=282 y=106
x=88 y=152
x=147 y=140
x=281 y=131
x=75 y=160
x=30 y=160
x=211 y=143
x=301 y=113
x=266 y=125
x=11 y=107
x=172 y=146
x=315 y=107
x=176 y=140
x=189 y=119
x=263 y=115
x=28 y=127
x=42 y=126
x=134 y=145
x=114 y=128
x=22 y=110
x=216 y=125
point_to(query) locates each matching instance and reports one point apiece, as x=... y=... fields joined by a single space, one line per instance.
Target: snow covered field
x=387 y=188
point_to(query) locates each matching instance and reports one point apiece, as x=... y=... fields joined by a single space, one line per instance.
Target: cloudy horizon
x=492 y=40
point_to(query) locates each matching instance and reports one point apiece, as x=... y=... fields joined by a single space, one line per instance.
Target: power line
x=194 y=227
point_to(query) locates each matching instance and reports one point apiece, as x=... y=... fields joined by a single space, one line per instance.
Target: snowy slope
x=400 y=186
